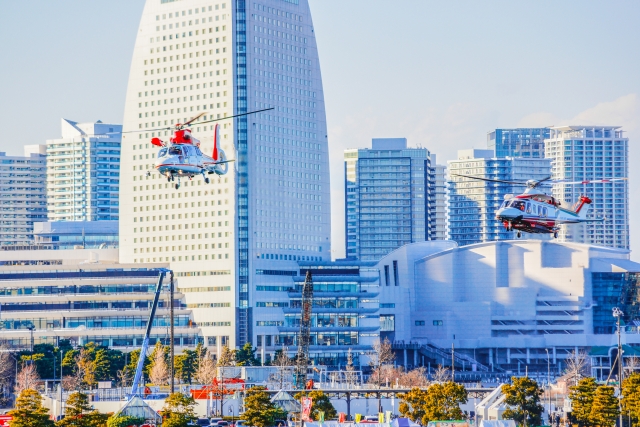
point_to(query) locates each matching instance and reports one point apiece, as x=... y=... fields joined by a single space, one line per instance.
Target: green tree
x=186 y=364
x=29 y=411
x=78 y=413
x=320 y=402
x=259 y=410
x=246 y=356
x=102 y=365
x=631 y=396
x=441 y=401
x=124 y=421
x=178 y=410
x=522 y=397
x=581 y=396
x=604 y=409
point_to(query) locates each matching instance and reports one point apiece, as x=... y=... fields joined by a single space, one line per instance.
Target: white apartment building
x=83 y=172
x=440 y=201
x=584 y=153
x=23 y=198
x=226 y=57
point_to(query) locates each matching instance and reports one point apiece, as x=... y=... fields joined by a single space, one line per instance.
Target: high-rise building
x=440 y=227
x=473 y=203
x=388 y=198
x=584 y=153
x=23 y=198
x=220 y=58
x=75 y=234
x=519 y=142
x=83 y=172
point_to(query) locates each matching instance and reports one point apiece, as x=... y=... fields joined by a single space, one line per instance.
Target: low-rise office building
x=85 y=296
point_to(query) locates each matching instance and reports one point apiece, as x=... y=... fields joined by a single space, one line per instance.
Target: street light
x=548 y=381
x=617 y=313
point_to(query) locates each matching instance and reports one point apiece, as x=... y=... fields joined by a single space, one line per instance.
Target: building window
x=387 y=323
x=387 y=305
x=437 y=323
x=396 y=281
x=386 y=275
x=419 y=322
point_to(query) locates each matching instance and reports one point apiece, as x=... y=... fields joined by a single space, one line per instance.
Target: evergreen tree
x=102 y=365
x=178 y=410
x=246 y=356
x=78 y=413
x=631 y=396
x=441 y=401
x=29 y=411
x=259 y=410
x=523 y=398
x=581 y=396
x=604 y=409
x=320 y=402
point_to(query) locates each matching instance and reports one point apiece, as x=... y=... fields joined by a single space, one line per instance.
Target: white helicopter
x=181 y=155
x=538 y=213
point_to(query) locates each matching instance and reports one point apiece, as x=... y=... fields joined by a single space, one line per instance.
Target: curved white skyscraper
x=232 y=243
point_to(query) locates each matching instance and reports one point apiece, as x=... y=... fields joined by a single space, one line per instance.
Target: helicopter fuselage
x=186 y=160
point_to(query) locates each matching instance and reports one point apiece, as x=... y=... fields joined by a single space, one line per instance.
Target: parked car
x=203 y=422
x=222 y=424
x=238 y=423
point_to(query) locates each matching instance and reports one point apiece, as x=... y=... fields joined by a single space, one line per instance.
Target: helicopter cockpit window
x=504 y=204
x=175 y=151
x=198 y=152
x=518 y=204
x=162 y=152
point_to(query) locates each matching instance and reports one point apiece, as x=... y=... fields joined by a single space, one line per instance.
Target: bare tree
x=28 y=378
x=227 y=358
x=206 y=368
x=381 y=355
x=72 y=382
x=633 y=364
x=8 y=368
x=284 y=370
x=85 y=369
x=578 y=366
x=350 y=374
x=159 y=374
x=441 y=374
x=414 y=378
x=124 y=376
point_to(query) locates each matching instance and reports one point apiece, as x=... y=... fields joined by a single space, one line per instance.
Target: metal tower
x=304 y=337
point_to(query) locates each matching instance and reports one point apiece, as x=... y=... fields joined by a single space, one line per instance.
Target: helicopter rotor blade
x=194 y=119
x=593 y=181
x=147 y=130
x=543 y=180
x=237 y=115
x=491 y=180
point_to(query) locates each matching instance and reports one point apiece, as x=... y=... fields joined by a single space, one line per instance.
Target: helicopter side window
x=162 y=152
x=544 y=212
x=175 y=151
x=528 y=208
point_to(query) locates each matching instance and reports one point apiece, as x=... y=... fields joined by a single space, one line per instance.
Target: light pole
x=548 y=382
x=617 y=313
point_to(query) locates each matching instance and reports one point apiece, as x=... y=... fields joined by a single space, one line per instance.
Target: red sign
x=4 y=420
x=306 y=409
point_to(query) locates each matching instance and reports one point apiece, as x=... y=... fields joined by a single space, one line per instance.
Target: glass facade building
x=389 y=198
x=584 y=153
x=519 y=142
x=23 y=198
x=83 y=172
x=614 y=290
x=473 y=203
x=220 y=58
x=76 y=234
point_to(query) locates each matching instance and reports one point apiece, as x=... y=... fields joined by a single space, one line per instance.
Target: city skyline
x=451 y=106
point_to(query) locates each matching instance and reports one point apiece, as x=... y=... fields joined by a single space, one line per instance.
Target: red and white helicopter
x=181 y=155
x=536 y=212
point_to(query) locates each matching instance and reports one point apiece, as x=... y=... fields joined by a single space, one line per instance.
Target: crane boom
x=145 y=343
x=304 y=337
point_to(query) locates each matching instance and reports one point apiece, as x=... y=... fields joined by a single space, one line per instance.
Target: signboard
x=4 y=420
x=306 y=409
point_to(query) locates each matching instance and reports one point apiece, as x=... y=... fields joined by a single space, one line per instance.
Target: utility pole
x=171 y=355
x=549 y=382
x=617 y=313
x=453 y=366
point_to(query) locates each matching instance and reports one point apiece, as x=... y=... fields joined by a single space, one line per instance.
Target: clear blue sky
x=441 y=74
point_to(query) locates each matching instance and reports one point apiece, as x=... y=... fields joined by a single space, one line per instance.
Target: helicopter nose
x=508 y=213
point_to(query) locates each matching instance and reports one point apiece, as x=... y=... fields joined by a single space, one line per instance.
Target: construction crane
x=304 y=337
x=145 y=343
